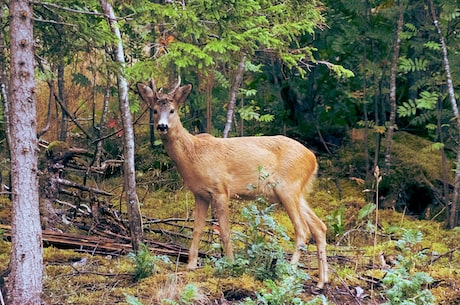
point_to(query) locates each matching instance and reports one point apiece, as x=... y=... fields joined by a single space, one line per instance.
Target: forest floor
x=104 y=272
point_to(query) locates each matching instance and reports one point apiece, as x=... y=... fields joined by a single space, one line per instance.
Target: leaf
x=427 y=100
x=112 y=123
x=437 y=146
x=132 y=300
x=407 y=109
x=81 y=80
x=266 y=118
x=366 y=210
x=431 y=45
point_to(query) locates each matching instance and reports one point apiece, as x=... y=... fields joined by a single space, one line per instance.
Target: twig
x=358 y=230
x=68 y=9
x=445 y=253
x=1 y=298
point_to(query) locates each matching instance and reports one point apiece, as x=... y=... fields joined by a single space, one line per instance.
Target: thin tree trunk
x=209 y=85
x=132 y=201
x=241 y=121
x=25 y=279
x=48 y=113
x=444 y=164
x=102 y=122
x=366 y=121
x=453 y=217
x=233 y=95
x=394 y=70
x=65 y=117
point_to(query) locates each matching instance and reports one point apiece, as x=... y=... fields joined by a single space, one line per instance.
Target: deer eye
x=171 y=111
x=155 y=111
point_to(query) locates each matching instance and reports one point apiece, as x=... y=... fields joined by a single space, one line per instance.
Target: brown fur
x=216 y=169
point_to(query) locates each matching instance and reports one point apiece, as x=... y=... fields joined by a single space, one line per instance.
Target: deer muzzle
x=163 y=128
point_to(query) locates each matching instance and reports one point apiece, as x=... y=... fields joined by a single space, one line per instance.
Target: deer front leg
x=220 y=206
x=201 y=210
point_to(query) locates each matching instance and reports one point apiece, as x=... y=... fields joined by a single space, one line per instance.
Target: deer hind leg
x=306 y=222
x=201 y=210
x=220 y=206
x=318 y=230
x=302 y=231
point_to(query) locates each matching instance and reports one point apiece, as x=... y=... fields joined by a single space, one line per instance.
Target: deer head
x=164 y=105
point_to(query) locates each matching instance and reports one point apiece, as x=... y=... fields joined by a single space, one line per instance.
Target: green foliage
x=409 y=32
x=432 y=45
x=412 y=65
x=262 y=255
x=81 y=80
x=251 y=112
x=366 y=211
x=283 y=293
x=420 y=109
x=341 y=72
x=187 y=297
x=144 y=262
x=405 y=286
x=336 y=221
x=132 y=300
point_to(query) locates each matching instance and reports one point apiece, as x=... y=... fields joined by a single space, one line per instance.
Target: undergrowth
x=405 y=285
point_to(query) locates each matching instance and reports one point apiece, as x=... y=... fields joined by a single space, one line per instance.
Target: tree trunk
x=65 y=117
x=25 y=279
x=453 y=213
x=102 y=122
x=394 y=70
x=233 y=95
x=132 y=201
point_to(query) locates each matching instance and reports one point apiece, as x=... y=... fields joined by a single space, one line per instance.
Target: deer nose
x=162 y=127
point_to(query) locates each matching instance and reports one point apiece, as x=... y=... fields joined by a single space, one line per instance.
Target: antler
x=177 y=85
x=153 y=85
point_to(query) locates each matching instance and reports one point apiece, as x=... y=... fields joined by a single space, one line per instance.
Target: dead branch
x=81 y=187
x=445 y=254
x=87 y=212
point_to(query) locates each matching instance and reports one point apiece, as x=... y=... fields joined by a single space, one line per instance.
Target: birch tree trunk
x=233 y=95
x=132 y=201
x=394 y=70
x=453 y=213
x=25 y=279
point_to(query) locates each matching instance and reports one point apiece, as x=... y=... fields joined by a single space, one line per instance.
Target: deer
x=216 y=170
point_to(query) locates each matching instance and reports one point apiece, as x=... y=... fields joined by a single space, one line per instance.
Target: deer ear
x=145 y=92
x=181 y=94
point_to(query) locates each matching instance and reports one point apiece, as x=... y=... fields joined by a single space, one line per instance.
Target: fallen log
x=101 y=245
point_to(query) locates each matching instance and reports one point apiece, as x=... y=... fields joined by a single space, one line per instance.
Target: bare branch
x=68 y=9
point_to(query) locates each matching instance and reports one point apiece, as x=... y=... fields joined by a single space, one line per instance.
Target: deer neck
x=179 y=144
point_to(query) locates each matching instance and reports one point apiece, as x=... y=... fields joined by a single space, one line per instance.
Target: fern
x=407 y=109
x=434 y=46
x=407 y=65
x=427 y=100
x=221 y=80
